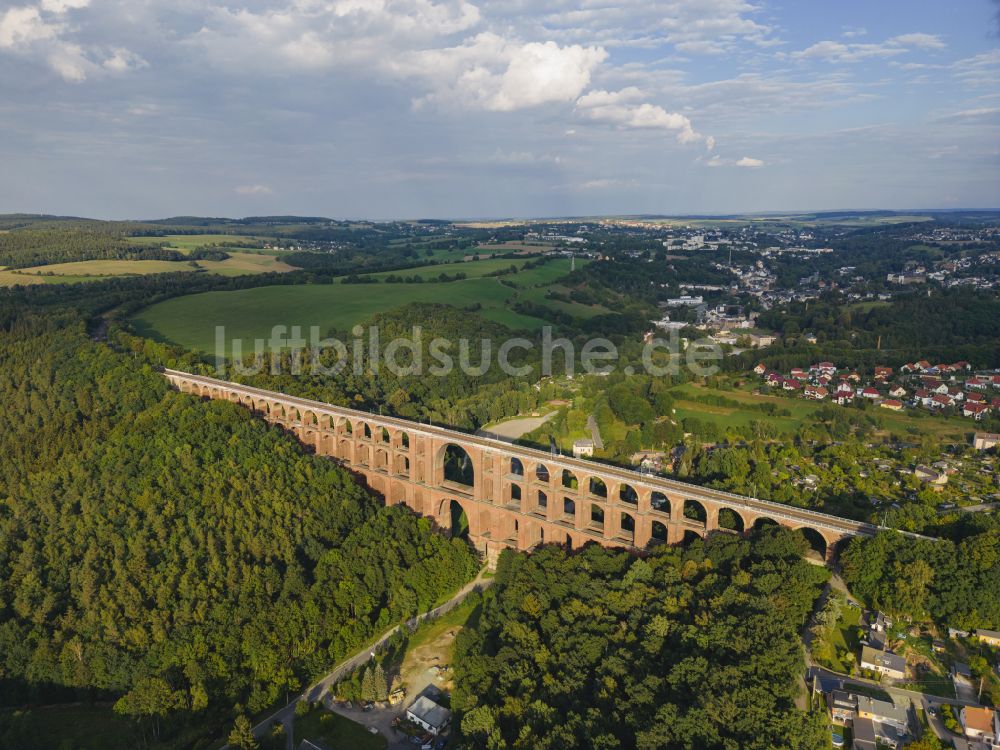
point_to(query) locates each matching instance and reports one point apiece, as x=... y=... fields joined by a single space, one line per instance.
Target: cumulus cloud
x=21 y=26
x=750 y=162
x=623 y=108
x=40 y=32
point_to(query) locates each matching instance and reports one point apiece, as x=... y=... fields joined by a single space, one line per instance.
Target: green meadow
x=250 y=314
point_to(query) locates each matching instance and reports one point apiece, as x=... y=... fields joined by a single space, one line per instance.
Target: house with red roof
x=891 y=403
x=976 y=411
x=940 y=401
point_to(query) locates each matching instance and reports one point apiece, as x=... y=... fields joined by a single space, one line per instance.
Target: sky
x=408 y=109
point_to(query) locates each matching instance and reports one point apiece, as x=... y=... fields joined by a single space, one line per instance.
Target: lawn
x=840 y=646
x=335 y=732
x=250 y=314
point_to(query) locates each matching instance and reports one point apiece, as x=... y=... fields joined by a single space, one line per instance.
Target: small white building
x=583 y=448
x=428 y=714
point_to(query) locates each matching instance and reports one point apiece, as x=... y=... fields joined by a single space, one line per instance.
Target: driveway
x=380 y=718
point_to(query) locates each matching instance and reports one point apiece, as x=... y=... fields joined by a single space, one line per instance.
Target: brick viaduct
x=516 y=497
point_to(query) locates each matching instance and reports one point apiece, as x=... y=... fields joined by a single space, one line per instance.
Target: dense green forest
x=956 y=584
x=179 y=556
x=695 y=648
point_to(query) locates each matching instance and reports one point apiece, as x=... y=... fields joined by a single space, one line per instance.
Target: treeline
x=180 y=557
x=947 y=326
x=682 y=649
x=35 y=247
x=954 y=584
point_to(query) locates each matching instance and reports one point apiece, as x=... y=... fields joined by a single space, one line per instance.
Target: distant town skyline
x=496 y=109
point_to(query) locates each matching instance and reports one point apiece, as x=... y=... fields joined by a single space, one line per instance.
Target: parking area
x=381 y=718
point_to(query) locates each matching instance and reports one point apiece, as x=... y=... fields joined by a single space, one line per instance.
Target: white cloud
x=61 y=6
x=21 y=26
x=621 y=108
x=492 y=73
x=253 y=190
x=919 y=41
x=746 y=162
x=123 y=60
x=840 y=52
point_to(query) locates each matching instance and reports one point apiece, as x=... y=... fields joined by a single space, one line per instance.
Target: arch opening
x=627 y=494
x=542 y=473
x=457 y=519
x=731 y=520
x=597 y=516
x=458 y=466
x=658 y=532
x=816 y=541
x=695 y=511
x=569 y=508
x=516 y=467
x=659 y=502
x=569 y=480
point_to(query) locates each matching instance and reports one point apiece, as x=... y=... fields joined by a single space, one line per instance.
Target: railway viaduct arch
x=516 y=497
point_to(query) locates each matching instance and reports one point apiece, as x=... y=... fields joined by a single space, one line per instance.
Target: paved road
x=315 y=692
x=595 y=433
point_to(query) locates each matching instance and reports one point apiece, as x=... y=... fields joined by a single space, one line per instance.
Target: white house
x=428 y=714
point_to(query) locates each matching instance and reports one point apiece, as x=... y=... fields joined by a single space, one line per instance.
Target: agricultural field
x=238 y=264
x=185 y=243
x=251 y=314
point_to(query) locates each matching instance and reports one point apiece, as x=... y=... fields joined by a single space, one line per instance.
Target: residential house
x=976 y=411
x=760 y=340
x=583 y=448
x=897 y=391
x=843 y=705
x=760 y=369
x=929 y=475
x=883 y=373
x=864 y=735
x=883 y=662
x=991 y=637
x=889 y=721
x=939 y=401
x=429 y=715
x=893 y=404
x=799 y=374
x=981 y=725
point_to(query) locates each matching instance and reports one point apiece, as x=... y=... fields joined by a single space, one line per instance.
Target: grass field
x=801 y=411
x=335 y=732
x=188 y=242
x=251 y=313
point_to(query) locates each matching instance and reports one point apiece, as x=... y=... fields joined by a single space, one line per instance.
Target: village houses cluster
x=875 y=722
x=949 y=388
